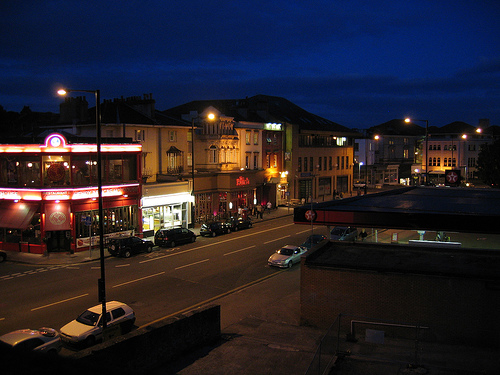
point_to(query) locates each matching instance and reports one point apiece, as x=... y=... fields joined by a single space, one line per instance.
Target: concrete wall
x=145 y=349
x=464 y=310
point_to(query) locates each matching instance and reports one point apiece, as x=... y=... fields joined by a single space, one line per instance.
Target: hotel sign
x=272 y=126
x=242 y=181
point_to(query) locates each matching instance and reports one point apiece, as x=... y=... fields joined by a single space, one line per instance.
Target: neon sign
x=272 y=126
x=242 y=181
x=67 y=194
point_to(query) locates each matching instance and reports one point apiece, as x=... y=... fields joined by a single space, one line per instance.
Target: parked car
x=3 y=256
x=286 y=256
x=214 y=229
x=43 y=340
x=127 y=246
x=344 y=234
x=173 y=237
x=312 y=240
x=236 y=223
x=359 y=184
x=87 y=328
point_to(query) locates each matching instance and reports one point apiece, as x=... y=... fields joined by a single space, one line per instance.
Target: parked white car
x=87 y=328
x=286 y=256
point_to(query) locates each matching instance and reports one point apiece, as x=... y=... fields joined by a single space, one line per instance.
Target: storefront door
x=58 y=241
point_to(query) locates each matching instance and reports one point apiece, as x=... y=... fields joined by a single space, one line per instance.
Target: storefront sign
x=272 y=126
x=242 y=181
x=57 y=216
x=67 y=194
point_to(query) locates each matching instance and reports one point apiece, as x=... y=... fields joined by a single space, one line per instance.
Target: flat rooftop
x=416 y=208
x=395 y=258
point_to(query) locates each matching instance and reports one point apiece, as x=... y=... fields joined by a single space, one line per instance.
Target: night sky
x=357 y=63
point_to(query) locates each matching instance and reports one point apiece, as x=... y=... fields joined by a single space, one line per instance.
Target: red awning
x=17 y=215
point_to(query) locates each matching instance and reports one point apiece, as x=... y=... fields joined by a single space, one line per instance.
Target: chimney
x=73 y=110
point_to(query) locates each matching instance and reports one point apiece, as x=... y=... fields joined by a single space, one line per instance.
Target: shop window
x=83 y=170
x=56 y=170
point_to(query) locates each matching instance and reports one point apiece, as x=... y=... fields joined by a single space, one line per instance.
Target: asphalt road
x=155 y=285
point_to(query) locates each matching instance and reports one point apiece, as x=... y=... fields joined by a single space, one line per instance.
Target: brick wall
x=464 y=310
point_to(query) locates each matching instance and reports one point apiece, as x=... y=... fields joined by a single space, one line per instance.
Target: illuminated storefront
x=48 y=194
x=166 y=206
x=234 y=192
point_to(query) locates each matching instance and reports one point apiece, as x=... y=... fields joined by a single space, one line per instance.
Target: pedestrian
x=363 y=234
x=269 y=206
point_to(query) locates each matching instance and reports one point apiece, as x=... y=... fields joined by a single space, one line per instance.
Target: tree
x=488 y=164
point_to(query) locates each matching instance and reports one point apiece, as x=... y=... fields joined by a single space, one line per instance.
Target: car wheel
x=214 y=234
x=126 y=327
x=250 y=225
x=172 y=244
x=235 y=229
x=193 y=239
x=228 y=230
x=3 y=257
x=90 y=341
x=290 y=264
x=149 y=249
x=127 y=254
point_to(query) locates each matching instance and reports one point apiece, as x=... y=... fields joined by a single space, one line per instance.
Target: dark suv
x=127 y=246
x=215 y=228
x=172 y=237
x=236 y=223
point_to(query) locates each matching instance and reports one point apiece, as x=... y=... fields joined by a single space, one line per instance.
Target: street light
x=101 y=283
x=407 y=120
x=211 y=117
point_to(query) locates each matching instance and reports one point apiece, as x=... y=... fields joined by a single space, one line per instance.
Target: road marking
x=136 y=280
x=192 y=264
x=214 y=243
x=304 y=231
x=122 y=265
x=237 y=251
x=276 y=239
x=57 y=303
x=214 y=298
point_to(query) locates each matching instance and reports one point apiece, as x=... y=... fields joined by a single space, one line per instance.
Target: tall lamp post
x=101 y=283
x=408 y=120
x=211 y=117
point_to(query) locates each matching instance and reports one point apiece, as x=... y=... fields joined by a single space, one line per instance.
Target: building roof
x=416 y=208
x=483 y=264
x=397 y=127
x=263 y=109
x=457 y=127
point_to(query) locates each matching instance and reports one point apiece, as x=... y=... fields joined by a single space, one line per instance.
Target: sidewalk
x=88 y=256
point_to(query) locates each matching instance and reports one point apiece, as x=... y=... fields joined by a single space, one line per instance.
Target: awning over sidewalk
x=17 y=215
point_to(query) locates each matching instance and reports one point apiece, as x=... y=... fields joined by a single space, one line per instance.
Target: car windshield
x=88 y=318
x=338 y=231
x=285 y=251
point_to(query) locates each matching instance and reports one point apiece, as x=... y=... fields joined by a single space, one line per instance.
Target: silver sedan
x=286 y=256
